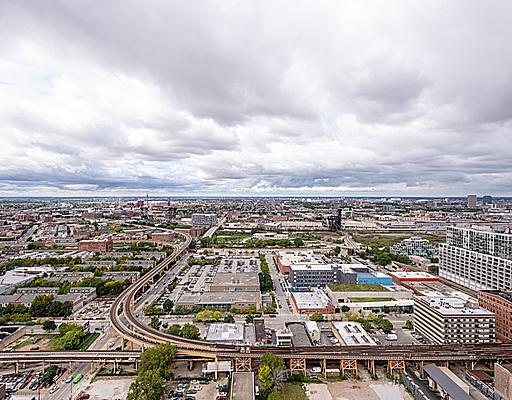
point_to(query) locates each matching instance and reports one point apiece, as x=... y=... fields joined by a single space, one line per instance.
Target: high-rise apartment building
x=204 y=219
x=445 y=320
x=477 y=259
x=414 y=246
x=471 y=200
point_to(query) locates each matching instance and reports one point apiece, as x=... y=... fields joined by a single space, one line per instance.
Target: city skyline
x=255 y=99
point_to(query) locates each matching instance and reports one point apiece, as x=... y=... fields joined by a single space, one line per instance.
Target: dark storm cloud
x=398 y=97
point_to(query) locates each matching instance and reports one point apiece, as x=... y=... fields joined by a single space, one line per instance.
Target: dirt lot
x=43 y=342
x=109 y=388
x=351 y=389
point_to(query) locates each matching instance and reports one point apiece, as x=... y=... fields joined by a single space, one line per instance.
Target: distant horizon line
x=246 y=197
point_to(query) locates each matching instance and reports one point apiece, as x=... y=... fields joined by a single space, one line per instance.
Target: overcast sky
x=255 y=97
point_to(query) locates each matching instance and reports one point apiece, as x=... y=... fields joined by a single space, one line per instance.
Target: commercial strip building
x=318 y=275
x=122 y=276
x=447 y=320
x=284 y=338
x=369 y=297
x=76 y=300
x=499 y=303
x=351 y=334
x=314 y=302
x=221 y=300
x=401 y=277
x=367 y=276
x=284 y=259
x=477 y=259
x=226 y=333
x=414 y=246
x=300 y=336
x=238 y=282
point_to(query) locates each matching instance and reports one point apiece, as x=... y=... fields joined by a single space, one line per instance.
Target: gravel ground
x=350 y=390
x=110 y=388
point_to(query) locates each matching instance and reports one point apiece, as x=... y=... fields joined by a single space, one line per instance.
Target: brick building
x=499 y=303
x=162 y=236
x=96 y=245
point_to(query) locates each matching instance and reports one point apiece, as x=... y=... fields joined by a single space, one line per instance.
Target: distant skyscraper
x=471 y=200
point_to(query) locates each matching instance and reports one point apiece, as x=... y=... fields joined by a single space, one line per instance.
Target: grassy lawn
x=231 y=238
x=368 y=299
x=290 y=391
x=350 y=287
x=88 y=340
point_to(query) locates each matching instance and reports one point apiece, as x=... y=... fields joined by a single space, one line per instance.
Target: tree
x=384 y=324
x=265 y=377
x=367 y=326
x=229 y=319
x=345 y=308
x=274 y=370
x=190 y=331
x=70 y=336
x=155 y=322
x=337 y=250
x=50 y=374
x=266 y=283
x=317 y=317
x=49 y=325
x=174 y=329
x=158 y=358
x=348 y=259
x=168 y=305
x=147 y=386
x=45 y=306
x=249 y=319
x=208 y=315
x=153 y=310
x=298 y=242
x=409 y=324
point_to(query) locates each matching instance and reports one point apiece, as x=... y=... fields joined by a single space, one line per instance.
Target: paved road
x=71 y=390
x=281 y=296
x=210 y=232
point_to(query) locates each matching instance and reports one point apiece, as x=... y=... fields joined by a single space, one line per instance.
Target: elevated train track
x=124 y=321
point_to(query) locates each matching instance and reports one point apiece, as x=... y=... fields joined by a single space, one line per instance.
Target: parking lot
x=199 y=389
x=27 y=382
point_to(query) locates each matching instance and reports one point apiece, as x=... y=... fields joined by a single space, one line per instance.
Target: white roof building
x=352 y=334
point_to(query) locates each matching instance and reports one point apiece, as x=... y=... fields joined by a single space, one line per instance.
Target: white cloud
x=266 y=98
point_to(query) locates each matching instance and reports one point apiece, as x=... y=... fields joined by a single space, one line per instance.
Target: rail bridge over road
x=124 y=321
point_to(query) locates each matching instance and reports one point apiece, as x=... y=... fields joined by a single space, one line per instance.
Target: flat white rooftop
x=225 y=333
x=311 y=267
x=454 y=306
x=306 y=300
x=353 y=334
x=413 y=275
